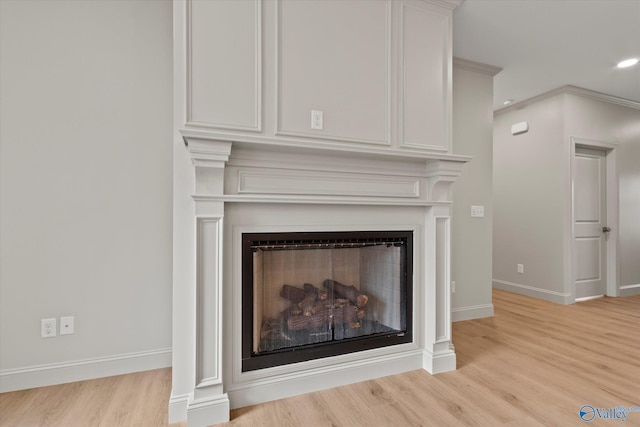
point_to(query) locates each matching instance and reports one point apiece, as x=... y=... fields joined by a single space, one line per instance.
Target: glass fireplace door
x=304 y=292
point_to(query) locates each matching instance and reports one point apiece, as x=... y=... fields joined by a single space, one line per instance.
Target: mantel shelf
x=316 y=200
x=309 y=147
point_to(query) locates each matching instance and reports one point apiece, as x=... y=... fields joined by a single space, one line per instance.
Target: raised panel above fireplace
x=224 y=65
x=379 y=71
x=424 y=78
x=334 y=56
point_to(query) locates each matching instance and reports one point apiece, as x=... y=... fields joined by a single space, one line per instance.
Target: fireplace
x=308 y=232
x=367 y=186
x=346 y=254
x=310 y=295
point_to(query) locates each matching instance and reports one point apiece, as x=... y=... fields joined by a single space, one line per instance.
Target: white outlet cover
x=48 y=328
x=317 y=120
x=477 y=211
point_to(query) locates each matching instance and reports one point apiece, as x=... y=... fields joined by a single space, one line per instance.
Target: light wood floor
x=535 y=363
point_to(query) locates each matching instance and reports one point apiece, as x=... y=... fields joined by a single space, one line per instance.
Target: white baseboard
x=178 y=405
x=471 y=312
x=80 y=370
x=439 y=363
x=629 y=290
x=531 y=291
x=208 y=411
x=311 y=380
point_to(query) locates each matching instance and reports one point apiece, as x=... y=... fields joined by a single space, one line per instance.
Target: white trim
x=80 y=370
x=315 y=379
x=629 y=290
x=439 y=363
x=471 y=312
x=612 y=202
x=256 y=126
x=299 y=145
x=318 y=200
x=326 y=184
x=589 y=298
x=572 y=90
x=532 y=291
x=477 y=67
x=178 y=407
x=206 y=412
x=447 y=77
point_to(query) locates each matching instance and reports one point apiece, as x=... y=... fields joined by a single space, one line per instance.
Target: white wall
x=86 y=176
x=472 y=237
x=532 y=179
x=603 y=121
x=529 y=176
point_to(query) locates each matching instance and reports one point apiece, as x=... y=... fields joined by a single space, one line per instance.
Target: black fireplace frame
x=251 y=362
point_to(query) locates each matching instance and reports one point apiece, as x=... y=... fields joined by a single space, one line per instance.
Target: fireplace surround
x=245 y=189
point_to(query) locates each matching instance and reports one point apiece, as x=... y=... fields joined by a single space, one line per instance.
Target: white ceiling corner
x=542 y=45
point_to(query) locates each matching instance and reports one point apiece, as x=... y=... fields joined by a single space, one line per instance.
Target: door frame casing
x=611 y=177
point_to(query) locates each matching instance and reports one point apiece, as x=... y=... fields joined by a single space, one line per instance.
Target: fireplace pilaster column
x=209 y=403
x=438 y=352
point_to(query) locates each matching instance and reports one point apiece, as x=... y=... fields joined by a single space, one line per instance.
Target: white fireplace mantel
x=284 y=183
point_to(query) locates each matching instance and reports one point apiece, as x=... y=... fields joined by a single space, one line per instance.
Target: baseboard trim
x=80 y=370
x=471 y=312
x=439 y=363
x=178 y=405
x=254 y=392
x=531 y=291
x=629 y=290
x=208 y=411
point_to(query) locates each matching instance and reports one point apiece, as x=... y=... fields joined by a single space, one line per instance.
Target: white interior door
x=590 y=222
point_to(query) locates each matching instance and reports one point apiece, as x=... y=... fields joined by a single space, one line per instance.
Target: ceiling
x=542 y=45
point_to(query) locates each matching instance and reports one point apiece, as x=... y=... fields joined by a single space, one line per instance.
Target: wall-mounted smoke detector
x=508 y=101
x=628 y=63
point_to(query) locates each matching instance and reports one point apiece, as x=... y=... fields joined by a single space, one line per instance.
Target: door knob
x=606 y=229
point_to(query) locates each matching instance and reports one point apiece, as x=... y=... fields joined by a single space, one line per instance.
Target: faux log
x=308 y=287
x=297 y=323
x=350 y=292
x=308 y=303
x=349 y=313
x=320 y=319
x=316 y=320
x=292 y=293
x=292 y=310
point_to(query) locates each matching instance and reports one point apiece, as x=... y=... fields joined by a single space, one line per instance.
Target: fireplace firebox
x=311 y=295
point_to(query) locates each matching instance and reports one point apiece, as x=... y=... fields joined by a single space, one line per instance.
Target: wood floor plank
x=533 y=364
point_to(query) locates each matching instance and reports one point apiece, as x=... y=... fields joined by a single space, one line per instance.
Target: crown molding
x=571 y=90
x=599 y=96
x=477 y=67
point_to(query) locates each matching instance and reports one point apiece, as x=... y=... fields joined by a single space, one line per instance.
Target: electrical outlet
x=477 y=211
x=47 y=328
x=453 y=286
x=317 y=120
x=520 y=268
x=66 y=325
